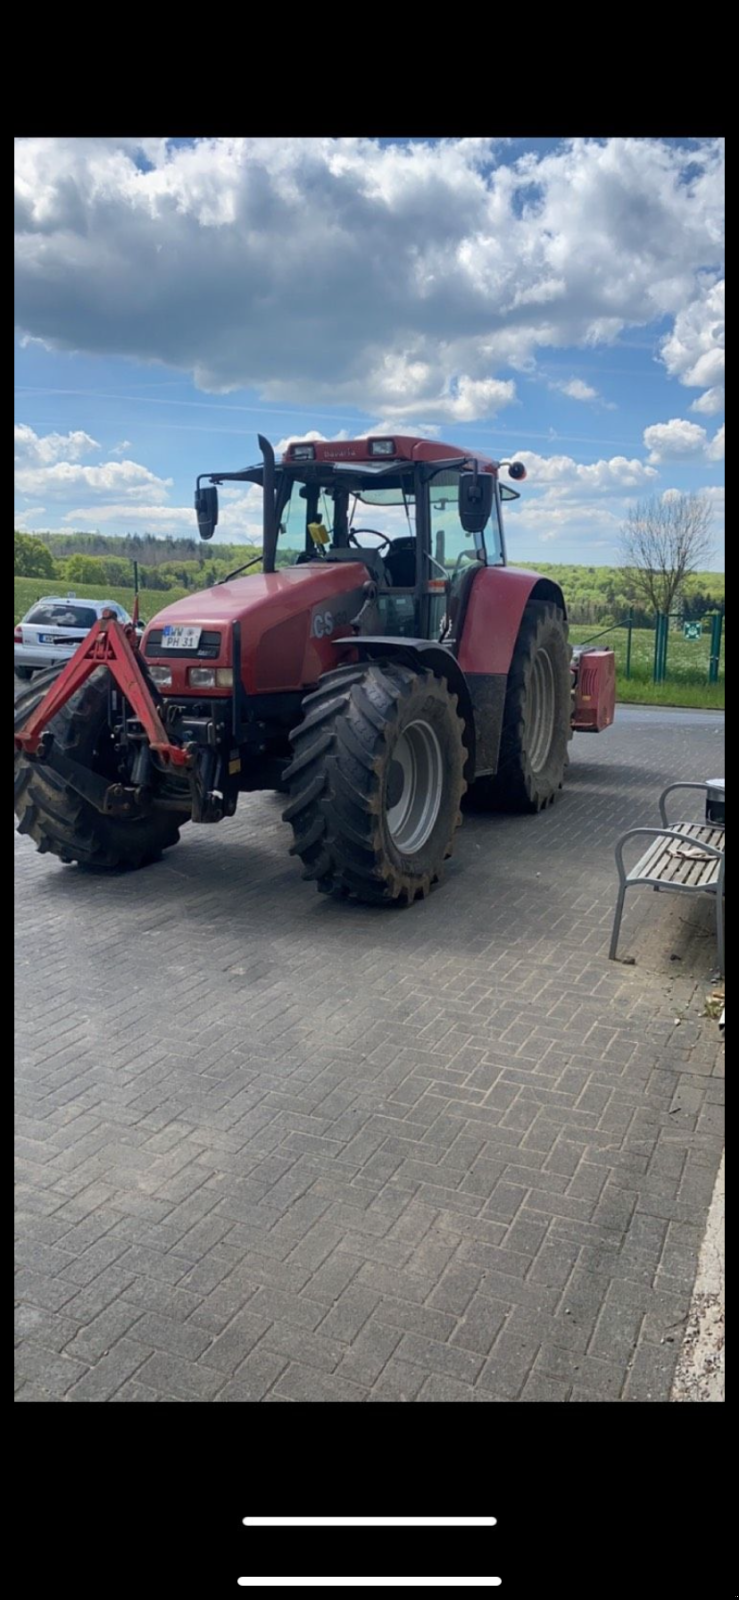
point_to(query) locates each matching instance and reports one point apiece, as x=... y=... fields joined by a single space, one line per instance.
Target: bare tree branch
x=662 y=541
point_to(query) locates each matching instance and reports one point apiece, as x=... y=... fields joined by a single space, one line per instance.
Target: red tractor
x=392 y=664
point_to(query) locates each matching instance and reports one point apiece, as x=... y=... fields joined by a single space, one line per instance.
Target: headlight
x=210 y=677
x=161 y=676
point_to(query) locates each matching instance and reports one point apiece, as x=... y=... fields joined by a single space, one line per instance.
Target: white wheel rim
x=541 y=714
x=415 y=784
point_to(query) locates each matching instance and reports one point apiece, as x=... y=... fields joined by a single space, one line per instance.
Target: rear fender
x=486 y=639
x=497 y=601
x=420 y=653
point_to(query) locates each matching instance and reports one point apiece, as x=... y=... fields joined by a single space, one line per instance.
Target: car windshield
x=61 y=615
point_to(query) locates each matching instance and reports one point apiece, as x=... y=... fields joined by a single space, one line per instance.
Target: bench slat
x=646 y=862
x=661 y=865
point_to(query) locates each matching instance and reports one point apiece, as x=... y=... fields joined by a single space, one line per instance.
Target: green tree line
x=595 y=595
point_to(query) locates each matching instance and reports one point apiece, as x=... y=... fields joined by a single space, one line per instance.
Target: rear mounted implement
x=593 y=689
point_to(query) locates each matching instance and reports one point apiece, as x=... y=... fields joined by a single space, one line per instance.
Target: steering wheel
x=352 y=539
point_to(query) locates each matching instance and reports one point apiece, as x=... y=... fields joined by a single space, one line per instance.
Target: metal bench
x=683 y=857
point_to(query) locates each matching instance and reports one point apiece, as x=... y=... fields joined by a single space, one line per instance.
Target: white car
x=51 y=631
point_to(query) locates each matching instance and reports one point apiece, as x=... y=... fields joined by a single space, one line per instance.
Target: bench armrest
x=664 y=833
x=669 y=790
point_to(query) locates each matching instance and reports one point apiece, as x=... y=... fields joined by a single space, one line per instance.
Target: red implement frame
x=108 y=644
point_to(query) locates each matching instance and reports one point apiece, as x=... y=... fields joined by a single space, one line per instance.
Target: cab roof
x=380 y=451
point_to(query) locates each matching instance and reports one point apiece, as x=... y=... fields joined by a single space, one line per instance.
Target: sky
x=556 y=301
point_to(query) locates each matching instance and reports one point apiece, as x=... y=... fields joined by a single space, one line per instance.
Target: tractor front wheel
x=55 y=816
x=376 y=782
x=536 y=717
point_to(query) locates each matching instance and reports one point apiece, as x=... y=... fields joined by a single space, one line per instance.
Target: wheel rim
x=414 y=787
x=542 y=703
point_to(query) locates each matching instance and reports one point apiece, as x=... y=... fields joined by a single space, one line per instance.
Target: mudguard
x=486 y=634
x=489 y=626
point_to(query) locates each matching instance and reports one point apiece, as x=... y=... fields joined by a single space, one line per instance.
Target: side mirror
x=475 y=500
x=206 y=506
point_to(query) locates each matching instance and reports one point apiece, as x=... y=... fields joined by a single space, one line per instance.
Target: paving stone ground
x=276 y=1148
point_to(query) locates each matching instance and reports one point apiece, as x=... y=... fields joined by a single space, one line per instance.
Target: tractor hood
x=286 y=622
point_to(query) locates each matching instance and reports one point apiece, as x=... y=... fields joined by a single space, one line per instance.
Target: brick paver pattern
x=276 y=1148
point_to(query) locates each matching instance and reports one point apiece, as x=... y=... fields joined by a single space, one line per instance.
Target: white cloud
x=31 y=450
x=694 y=351
x=588 y=524
x=31 y=515
x=378 y=429
x=240 y=519
x=574 y=478
x=120 y=449
x=710 y=402
x=582 y=504
x=680 y=440
x=114 y=477
x=716 y=450
x=414 y=274
x=240 y=522
x=311 y=437
x=463 y=400
x=716 y=493
x=160 y=517
x=39 y=469
x=409 y=426
x=576 y=389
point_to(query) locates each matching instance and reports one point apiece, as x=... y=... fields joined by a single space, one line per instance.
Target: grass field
x=687 y=660
x=150 y=600
x=687 y=667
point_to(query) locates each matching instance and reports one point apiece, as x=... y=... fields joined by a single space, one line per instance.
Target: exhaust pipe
x=268 y=501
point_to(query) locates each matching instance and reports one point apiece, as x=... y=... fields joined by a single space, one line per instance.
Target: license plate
x=182 y=637
x=51 y=638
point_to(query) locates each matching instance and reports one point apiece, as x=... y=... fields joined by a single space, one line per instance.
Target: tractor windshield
x=317 y=518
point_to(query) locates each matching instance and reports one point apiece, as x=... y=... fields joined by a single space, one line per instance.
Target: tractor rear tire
x=376 y=782
x=537 y=717
x=54 y=815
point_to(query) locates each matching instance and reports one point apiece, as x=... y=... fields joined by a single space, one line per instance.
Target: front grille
x=208 y=649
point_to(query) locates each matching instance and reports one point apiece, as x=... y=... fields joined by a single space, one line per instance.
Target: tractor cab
x=421 y=517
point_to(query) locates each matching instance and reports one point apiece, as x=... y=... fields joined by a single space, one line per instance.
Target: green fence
x=692 y=633
x=663 y=665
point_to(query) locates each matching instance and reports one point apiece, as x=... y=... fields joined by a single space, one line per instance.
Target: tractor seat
x=400 y=565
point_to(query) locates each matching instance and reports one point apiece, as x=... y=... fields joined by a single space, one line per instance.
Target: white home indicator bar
x=369 y=1583
x=370 y=1522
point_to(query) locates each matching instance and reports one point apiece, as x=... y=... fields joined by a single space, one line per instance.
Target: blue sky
x=558 y=301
